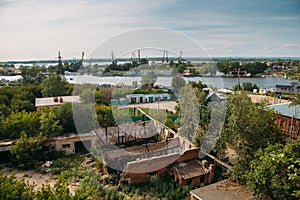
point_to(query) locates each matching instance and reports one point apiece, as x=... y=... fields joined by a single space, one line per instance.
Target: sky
x=38 y=29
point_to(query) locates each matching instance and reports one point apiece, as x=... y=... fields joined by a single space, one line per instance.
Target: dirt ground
x=169 y=105
x=270 y=100
x=35 y=178
x=31 y=176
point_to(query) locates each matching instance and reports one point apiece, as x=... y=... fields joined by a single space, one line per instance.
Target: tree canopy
x=275 y=171
x=149 y=79
x=54 y=85
x=177 y=83
x=249 y=127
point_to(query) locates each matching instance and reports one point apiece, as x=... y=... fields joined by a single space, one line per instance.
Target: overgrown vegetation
x=159 y=187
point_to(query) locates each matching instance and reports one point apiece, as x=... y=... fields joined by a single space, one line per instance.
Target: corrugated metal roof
x=225 y=189
x=287 y=110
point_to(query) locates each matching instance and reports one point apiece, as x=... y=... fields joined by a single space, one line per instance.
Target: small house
x=292 y=88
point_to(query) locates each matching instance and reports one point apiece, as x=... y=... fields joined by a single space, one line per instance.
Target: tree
x=170 y=123
x=85 y=117
x=14 y=189
x=31 y=75
x=64 y=114
x=50 y=125
x=189 y=112
x=275 y=171
x=58 y=192
x=246 y=86
x=177 y=83
x=54 y=85
x=249 y=127
x=149 y=79
x=23 y=100
x=105 y=116
x=27 y=150
x=17 y=122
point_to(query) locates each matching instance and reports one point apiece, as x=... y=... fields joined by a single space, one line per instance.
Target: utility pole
x=139 y=56
x=167 y=57
x=180 y=56
x=59 y=70
x=133 y=58
x=238 y=80
x=112 y=55
x=82 y=55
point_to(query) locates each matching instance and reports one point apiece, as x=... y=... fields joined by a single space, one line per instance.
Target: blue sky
x=33 y=29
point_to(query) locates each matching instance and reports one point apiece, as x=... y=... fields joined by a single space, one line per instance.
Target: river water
x=268 y=82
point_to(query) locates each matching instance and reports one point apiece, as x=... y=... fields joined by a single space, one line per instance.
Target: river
x=268 y=82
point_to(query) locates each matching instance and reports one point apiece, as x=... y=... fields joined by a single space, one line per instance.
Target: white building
x=55 y=101
x=147 y=98
x=288 y=89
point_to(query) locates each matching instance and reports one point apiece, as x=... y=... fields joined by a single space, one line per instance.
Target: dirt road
x=169 y=105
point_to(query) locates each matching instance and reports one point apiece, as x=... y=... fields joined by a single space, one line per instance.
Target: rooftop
x=56 y=101
x=286 y=109
x=191 y=169
x=226 y=190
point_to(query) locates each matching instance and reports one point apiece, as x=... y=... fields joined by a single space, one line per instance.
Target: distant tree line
x=253 y=68
x=246 y=86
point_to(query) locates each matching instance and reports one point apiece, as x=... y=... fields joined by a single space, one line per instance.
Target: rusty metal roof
x=191 y=169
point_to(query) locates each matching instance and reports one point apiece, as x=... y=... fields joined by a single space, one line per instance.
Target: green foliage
x=170 y=123
x=105 y=116
x=17 y=122
x=253 y=68
x=158 y=187
x=149 y=91
x=58 y=192
x=14 y=189
x=246 y=86
x=179 y=67
x=23 y=100
x=208 y=68
x=275 y=171
x=189 y=112
x=31 y=75
x=18 y=98
x=177 y=83
x=92 y=187
x=54 y=85
x=103 y=95
x=66 y=163
x=84 y=117
x=28 y=150
x=149 y=79
x=50 y=124
x=249 y=127
x=296 y=99
x=64 y=114
x=121 y=67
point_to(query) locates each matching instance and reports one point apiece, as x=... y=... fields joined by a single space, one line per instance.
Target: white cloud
x=34 y=29
x=291 y=45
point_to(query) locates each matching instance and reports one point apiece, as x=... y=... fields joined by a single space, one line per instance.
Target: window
x=66 y=146
x=282 y=124
x=202 y=178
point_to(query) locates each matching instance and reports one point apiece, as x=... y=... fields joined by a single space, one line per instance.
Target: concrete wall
x=188 y=155
x=67 y=144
